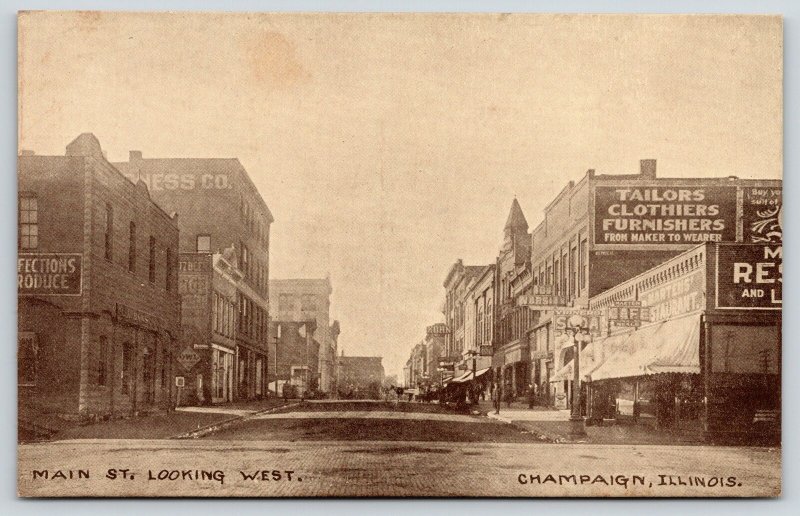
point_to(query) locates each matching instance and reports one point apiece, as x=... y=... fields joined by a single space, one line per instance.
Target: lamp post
x=474 y=355
x=579 y=327
x=277 y=338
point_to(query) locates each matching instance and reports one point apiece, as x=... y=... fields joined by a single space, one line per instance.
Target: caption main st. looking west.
x=641 y=310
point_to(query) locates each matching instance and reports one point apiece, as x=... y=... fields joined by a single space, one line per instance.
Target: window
x=203 y=243
x=308 y=302
x=169 y=265
x=583 y=257
x=28 y=222
x=573 y=273
x=132 y=248
x=109 y=234
x=152 y=264
x=102 y=360
x=127 y=367
x=285 y=302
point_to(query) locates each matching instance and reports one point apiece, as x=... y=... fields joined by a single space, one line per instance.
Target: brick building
x=97 y=283
x=220 y=208
x=360 y=377
x=295 y=356
x=301 y=300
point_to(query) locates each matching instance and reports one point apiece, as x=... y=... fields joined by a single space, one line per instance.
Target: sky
x=389 y=146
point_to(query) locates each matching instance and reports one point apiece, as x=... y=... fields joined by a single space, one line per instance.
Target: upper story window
x=109 y=233
x=309 y=303
x=151 y=266
x=203 y=243
x=169 y=284
x=28 y=222
x=132 y=248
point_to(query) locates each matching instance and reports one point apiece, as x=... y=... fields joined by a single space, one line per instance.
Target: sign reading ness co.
x=49 y=274
x=636 y=215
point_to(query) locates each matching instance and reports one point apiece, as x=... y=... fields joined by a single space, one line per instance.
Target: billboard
x=664 y=214
x=749 y=277
x=762 y=215
x=49 y=274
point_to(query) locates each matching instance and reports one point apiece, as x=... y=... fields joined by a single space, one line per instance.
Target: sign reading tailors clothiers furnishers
x=749 y=276
x=677 y=215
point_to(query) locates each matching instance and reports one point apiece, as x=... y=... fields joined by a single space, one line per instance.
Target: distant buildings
x=97 y=278
x=360 y=377
x=304 y=300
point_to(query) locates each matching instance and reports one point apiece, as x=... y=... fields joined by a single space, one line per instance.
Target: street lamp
x=474 y=354
x=579 y=327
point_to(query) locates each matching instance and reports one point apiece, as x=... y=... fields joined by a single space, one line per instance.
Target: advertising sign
x=188 y=358
x=541 y=301
x=682 y=295
x=592 y=319
x=628 y=313
x=749 y=277
x=677 y=215
x=49 y=274
x=762 y=215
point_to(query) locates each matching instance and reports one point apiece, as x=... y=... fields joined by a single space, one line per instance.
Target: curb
x=553 y=438
x=227 y=423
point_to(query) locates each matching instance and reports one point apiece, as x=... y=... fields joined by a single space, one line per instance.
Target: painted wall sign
x=49 y=274
x=636 y=215
x=679 y=296
x=185 y=182
x=749 y=277
x=762 y=215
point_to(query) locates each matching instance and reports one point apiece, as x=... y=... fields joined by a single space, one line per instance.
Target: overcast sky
x=388 y=146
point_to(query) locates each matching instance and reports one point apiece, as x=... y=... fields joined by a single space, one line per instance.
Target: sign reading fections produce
x=628 y=215
x=49 y=274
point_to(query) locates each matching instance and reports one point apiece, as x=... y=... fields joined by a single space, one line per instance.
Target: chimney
x=134 y=155
x=647 y=168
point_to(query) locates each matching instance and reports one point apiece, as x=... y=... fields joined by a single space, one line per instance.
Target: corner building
x=99 y=311
x=221 y=213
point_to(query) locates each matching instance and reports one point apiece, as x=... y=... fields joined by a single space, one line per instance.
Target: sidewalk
x=554 y=425
x=158 y=425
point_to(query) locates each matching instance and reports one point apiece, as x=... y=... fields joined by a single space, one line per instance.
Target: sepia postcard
x=399 y=255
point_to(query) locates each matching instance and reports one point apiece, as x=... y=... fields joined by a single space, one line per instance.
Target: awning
x=461 y=378
x=671 y=346
x=466 y=377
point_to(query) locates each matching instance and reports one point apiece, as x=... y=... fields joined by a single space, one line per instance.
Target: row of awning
x=466 y=376
x=671 y=346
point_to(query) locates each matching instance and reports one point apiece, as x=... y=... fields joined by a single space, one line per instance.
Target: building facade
x=295 y=356
x=97 y=273
x=360 y=377
x=706 y=353
x=301 y=300
x=220 y=208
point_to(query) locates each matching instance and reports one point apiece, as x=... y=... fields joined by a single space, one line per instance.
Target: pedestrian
x=496 y=397
x=531 y=395
x=509 y=396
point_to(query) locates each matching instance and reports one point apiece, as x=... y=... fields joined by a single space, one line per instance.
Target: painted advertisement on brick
x=194 y=287
x=676 y=215
x=762 y=215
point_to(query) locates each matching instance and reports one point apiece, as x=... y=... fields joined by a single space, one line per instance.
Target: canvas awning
x=671 y=346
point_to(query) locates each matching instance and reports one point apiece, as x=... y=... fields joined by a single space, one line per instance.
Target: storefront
x=704 y=352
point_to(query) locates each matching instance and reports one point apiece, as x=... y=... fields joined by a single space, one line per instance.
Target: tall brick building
x=220 y=208
x=301 y=300
x=97 y=284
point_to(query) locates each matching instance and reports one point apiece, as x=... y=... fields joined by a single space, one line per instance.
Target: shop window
x=28 y=222
x=102 y=361
x=584 y=258
x=151 y=266
x=27 y=358
x=203 y=243
x=109 y=233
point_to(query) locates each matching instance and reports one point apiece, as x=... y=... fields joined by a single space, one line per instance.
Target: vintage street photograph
x=399 y=255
